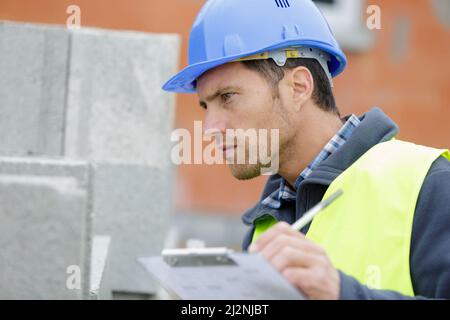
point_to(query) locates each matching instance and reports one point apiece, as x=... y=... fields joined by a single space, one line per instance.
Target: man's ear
x=302 y=86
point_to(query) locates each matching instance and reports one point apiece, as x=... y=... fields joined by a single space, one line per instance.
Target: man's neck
x=316 y=129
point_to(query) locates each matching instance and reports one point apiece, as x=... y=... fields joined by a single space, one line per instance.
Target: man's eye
x=227 y=96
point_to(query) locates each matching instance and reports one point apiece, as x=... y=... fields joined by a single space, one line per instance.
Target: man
x=255 y=64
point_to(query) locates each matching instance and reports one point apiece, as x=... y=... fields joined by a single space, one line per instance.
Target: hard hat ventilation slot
x=282 y=3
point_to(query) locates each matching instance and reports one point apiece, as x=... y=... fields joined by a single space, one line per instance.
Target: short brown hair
x=322 y=94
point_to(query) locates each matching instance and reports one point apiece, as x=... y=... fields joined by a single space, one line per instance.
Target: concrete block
x=42 y=233
x=33 y=69
x=119 y=118
x=116 y=111
x=95 y=95
x=132 y=205
x=47 y=167
x=46 y=215
x=90 y=93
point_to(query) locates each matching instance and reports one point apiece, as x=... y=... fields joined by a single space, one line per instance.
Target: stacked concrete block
x=117 y=112
x=45 y=210
x=33 y=74
x=95 y=96
x=119 y=118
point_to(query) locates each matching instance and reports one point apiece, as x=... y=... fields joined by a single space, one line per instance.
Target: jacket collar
x=375 y=127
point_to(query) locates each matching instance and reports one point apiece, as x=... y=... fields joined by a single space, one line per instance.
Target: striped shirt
x=285 y=192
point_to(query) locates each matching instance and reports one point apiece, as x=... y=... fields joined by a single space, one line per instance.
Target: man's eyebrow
x=216 y=94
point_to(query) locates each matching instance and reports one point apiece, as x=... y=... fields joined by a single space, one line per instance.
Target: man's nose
x=213 y=124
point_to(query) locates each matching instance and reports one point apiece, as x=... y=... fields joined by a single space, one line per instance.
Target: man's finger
x=300 y=277
x=287 y=240
x=290 y=257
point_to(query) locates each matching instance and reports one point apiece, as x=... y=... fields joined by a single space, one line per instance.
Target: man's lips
x=227 y=150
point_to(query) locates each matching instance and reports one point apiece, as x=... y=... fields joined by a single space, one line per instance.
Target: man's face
x=235 y=97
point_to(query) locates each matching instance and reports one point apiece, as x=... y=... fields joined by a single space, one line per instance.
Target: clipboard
x=218 y=274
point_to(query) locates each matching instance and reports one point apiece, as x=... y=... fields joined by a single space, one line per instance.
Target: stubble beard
x=245 y=171
x=249 y=171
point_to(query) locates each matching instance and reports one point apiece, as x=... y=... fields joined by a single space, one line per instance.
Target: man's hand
x=302 y=262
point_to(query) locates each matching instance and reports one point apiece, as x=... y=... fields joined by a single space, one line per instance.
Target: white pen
x=310 y=214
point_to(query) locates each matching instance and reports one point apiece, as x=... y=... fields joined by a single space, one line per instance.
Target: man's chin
x=245 y=171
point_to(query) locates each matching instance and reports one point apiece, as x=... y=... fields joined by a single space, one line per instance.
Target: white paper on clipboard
x=251 y=278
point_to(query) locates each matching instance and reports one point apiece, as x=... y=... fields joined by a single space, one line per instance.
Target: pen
x=310 y=214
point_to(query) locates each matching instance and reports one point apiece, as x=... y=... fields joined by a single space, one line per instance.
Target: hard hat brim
x=185 y=80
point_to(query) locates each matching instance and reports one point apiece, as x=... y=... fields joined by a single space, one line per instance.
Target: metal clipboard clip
x=198 y=257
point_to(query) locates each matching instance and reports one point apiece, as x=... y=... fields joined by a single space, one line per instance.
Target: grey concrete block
x=95 y=95
x=89 y=93
x=41 y=235
x=46 y=225
x=33 y=69
x=133 y=205
x=117 y=112
x=119 y=118
x=47 y=167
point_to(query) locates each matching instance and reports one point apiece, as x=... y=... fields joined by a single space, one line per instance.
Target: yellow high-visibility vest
x=367 y=231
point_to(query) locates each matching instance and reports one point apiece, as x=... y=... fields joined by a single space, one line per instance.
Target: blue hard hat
x=227 y=30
